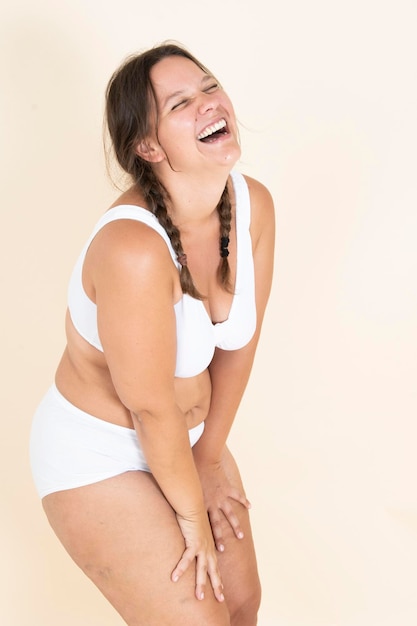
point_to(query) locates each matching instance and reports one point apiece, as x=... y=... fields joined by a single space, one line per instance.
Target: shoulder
x=262 y=207
x=130 y=248
x=259 y=194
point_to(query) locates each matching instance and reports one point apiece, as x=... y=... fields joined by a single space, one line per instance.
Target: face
x=196 y=121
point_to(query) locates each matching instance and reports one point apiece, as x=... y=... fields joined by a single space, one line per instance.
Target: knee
x=245 y=611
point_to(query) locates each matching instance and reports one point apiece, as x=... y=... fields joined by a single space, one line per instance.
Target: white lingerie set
x=71 y=448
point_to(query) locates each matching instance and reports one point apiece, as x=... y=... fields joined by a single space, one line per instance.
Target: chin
x=232 y=158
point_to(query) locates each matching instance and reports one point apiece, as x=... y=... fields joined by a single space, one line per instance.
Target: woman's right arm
x=134 y=280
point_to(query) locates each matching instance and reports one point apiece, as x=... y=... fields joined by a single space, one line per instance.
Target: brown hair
x=130 y=103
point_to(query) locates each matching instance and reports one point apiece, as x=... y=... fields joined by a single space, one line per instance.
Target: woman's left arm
x=229 y=372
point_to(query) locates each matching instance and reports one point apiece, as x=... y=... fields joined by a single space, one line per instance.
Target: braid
x=157 y=196
x=224 y=209
x=130 y=115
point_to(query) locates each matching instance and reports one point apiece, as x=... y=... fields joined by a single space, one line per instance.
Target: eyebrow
x=206 y=78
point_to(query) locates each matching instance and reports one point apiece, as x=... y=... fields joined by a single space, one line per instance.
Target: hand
x=218 y=495
x=199 y=547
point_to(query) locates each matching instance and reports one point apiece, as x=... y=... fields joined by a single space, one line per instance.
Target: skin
x=144 y=539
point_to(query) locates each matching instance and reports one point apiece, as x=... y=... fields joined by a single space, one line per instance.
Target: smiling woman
x=165 y=307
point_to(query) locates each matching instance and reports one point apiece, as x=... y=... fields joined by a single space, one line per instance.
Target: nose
x=208 y=102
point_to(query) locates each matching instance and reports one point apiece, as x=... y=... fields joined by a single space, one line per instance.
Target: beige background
x=326 y=435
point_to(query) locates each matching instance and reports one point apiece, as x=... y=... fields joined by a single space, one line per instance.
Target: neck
x=194 y=199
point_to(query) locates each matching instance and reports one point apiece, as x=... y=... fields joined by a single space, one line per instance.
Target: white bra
x=197 y=336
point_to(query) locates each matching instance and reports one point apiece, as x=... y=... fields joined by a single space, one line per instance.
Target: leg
x=238 y=562
x=124 y=535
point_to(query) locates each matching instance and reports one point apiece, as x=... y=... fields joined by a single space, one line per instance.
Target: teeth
x=212 y=129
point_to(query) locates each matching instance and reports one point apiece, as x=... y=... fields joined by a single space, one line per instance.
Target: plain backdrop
x=326 y=96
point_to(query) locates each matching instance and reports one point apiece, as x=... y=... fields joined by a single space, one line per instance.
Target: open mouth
x=212 y=132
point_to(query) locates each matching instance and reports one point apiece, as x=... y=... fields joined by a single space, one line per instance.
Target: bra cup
x=195 y=337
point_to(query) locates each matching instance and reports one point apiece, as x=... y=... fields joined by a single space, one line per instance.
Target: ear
x=150 y=151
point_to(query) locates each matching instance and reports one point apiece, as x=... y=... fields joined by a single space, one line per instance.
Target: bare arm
x=134 y=280
x=230 y=370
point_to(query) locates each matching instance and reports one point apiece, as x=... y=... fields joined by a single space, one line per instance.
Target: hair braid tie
x=182 y=259
x=224 y=247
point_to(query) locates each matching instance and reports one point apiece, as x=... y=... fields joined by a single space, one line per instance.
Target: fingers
x=216 y=529
x=226 y=511
x=206 y=566
x=237 y=495
x=233 y=520
x=183 y=564
x=200 y=579
x=215 y=579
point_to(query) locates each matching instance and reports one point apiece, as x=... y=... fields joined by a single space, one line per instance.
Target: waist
x=79 y=414
x=91 y=390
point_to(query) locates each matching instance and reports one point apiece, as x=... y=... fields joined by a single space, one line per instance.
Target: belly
x=83 y=378
x=193 y=397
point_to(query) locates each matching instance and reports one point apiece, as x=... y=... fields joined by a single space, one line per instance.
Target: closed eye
x=211 y=88
x=179 y=104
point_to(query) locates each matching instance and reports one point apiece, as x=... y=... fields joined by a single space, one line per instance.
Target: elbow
x=147 y=404
x=143 y=413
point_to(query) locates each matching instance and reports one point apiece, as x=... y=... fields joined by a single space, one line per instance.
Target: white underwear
x=70 y=448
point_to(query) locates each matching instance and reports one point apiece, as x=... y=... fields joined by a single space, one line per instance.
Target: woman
x=165 y=306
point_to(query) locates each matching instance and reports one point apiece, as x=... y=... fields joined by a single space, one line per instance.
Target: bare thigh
x=237 y=563
x=124 y=535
